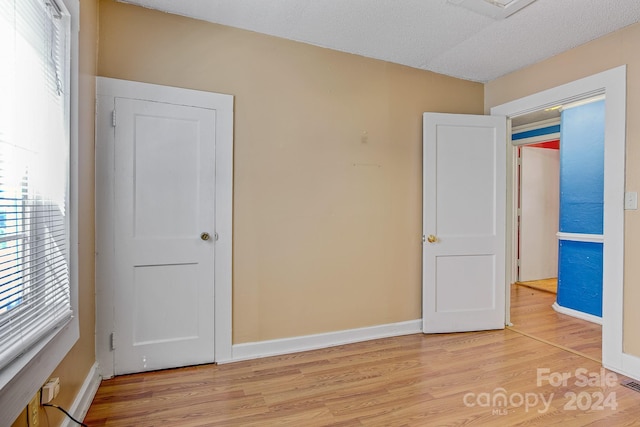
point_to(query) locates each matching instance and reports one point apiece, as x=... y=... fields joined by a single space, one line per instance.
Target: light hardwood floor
x=414 y=380
x=531 y=314
x=549 y=285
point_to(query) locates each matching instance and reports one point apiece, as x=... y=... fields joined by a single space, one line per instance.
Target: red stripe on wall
x=553 y=145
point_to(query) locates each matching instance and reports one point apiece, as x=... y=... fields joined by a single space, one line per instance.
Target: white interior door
x=164 y=201
x=464 y=185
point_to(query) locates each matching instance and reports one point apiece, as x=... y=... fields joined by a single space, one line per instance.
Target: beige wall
x=73 y=370
x=327 y=219
x=605 y=53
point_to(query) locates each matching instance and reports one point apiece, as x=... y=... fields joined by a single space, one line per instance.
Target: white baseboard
x=255 y=350
x=630 y=366
x=85 y=396
x=578 y=314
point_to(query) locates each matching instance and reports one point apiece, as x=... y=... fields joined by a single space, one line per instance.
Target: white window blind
x=34 y=172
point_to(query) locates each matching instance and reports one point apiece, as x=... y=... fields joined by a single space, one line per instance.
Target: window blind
x=34 y=171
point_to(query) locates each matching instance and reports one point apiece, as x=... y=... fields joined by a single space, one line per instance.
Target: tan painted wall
x=327 y=226
x=602 y=54
x=73 y=370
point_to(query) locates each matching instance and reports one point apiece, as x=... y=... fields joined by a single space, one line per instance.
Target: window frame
x=22 y=379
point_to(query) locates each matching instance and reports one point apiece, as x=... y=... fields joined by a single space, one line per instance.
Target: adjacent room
x=246 y=213
x=559 y=192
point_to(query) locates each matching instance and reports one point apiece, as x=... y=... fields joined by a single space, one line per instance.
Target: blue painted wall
x=535 y=132
x=582 y=169
x=580 y=276
x=581 y=207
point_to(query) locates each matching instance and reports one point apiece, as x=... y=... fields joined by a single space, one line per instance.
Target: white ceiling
x=435 y=35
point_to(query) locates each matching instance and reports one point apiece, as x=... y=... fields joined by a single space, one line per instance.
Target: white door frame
x=535 y=223
x=612 y=84
x=107 y=90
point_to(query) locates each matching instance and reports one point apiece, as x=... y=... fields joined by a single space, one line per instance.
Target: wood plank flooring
x=549 y=285
x=531 y=313
x=414 y=380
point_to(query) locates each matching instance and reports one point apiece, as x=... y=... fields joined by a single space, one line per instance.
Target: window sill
x=20 y=380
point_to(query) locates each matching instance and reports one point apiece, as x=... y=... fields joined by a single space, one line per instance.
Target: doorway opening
x=541 y=237
x=612 y=84
x=537 y=136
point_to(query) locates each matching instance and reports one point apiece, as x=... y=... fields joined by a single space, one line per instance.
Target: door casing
x=107 y=90
x=612 y=84
x=539 y=187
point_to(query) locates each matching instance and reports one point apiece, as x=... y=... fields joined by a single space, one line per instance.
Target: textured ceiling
x=434 y=35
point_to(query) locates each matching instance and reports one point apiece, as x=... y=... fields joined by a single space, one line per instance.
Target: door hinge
x=112 y=341
x=113 y=118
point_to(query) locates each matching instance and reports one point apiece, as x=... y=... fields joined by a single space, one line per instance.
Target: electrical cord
x=66 y=413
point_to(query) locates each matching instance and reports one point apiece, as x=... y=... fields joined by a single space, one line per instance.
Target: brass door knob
x=432 y=239
x=205 y=236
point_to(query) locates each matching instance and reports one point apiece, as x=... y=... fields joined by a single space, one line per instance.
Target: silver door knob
x=205 y=236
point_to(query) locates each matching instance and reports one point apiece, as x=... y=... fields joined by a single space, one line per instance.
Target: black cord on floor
x=66 y=413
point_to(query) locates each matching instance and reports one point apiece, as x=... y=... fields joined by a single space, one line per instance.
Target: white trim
x=554 y=96
x=630 y=366
x=104 y=236
x=87 y=392
x=277 y=347
x=577 y=314
x=21 y=380
x=38 y=364
x=107 y=90
x=582 y=102
x=612 y=84
x=579 y=237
